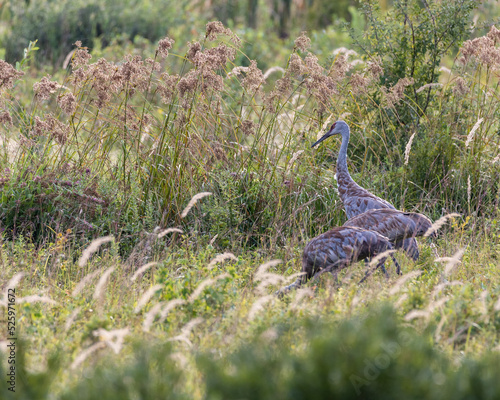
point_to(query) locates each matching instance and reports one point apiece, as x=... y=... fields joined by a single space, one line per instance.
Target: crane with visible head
x=356 y=199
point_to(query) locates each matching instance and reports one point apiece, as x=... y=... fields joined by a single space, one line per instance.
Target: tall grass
x=130 y=143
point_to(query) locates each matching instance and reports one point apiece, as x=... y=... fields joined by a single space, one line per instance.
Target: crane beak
x=325 y=136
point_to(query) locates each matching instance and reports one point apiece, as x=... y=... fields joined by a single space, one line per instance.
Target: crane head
x=337 y=128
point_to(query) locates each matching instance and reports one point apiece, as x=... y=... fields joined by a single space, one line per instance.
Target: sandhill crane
x=356 y=199
x=336 y=249
x=393 y=224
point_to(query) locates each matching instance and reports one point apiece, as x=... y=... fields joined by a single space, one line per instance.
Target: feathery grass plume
x=375 y=260
x=180 y=358
x=444 y=69
x=452 y=261
x=12 y=283
x=437 y=332
x=149 y=317
x=92 y=248
x=401 y=300
x=146 y=297
x=270 y=334
x=169 y=230
x=293 y=277
x=169 y=307
x=87 y=278
x=141 y=270
x=36 y=299
x=259 y=305
x=408 y=147
x=441 y=286
x=497 y=305
x=113 y=339
x=71 y=318
x=294 y=158
x=186 y=330
x=470 y=136
x=300 y=294
x=99 y=288
x=193 y=201
x=262 y=269
x=272 y=70
x=220 y=258
x=269 y=279
x=204 y=284
x=436 y=304
x=482 y=299
x=401 y=281
x=417 y=314
x=85 y=353
x=439 y=223
x=428 y=85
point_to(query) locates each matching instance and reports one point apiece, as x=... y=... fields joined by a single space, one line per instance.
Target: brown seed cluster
x=5 y=118
x=296 y=65
x=483 y=49
x=57 y=130
x=494 y=34
x=166 y=87
x=194 y=48
x=359 y=83
x=394 y=95
x=319 y=85
x=81 y=57
x=248 y=127
x=164 y=45
x=67 y=102
x=253 y=79
x=45 y=88
x=8 y=74
x=303 y=42
x=374 y=68
x=340 y=68
x=216 y=28
x=461 y=87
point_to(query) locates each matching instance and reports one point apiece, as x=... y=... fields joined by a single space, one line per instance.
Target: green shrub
x=370 y=356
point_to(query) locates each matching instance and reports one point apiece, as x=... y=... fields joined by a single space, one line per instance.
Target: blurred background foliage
x=59 y=24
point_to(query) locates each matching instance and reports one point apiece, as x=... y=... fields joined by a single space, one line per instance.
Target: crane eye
x=333 y=126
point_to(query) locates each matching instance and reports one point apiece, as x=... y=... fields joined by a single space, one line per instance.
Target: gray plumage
x=393 y=224
x=338 y=248
x=356 y=199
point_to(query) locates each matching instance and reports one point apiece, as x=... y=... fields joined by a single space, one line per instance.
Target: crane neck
x=342 y=171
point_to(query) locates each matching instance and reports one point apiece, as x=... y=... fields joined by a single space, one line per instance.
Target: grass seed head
x=193 y=201
x=146 y=297
x=92 y=248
